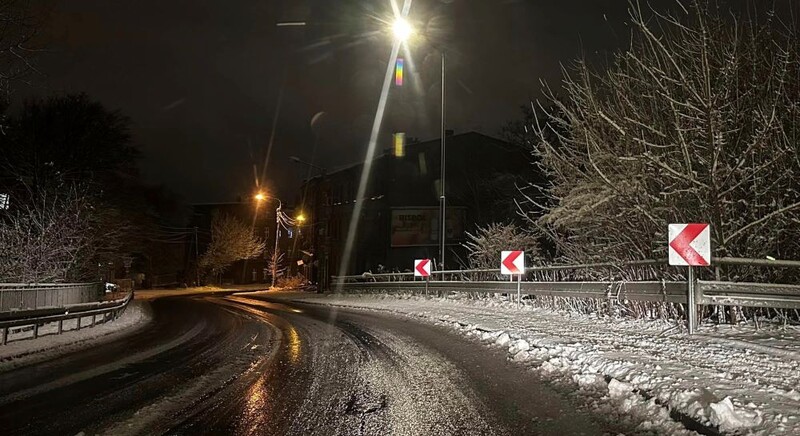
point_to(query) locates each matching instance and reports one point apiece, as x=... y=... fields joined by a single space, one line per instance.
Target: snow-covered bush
x=484 y=246
x=292 y=282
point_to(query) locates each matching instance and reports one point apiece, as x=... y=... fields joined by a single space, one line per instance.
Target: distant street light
x=321 y=218
x=301 y=218
x=403 y=30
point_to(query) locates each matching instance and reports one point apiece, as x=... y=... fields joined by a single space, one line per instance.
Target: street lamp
x=402 y=31
x=320 y=214
x=262 y=197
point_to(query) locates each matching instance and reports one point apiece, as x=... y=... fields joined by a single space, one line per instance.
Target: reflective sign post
x=513 y=264
x=692 y=304
x=690 y=246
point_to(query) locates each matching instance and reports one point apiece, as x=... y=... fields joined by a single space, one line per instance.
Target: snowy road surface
x=649 y=374
x=245 y=365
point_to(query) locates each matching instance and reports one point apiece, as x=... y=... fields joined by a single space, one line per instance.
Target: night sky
x=201 y=79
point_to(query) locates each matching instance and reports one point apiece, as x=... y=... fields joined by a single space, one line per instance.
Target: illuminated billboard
x=419 y=226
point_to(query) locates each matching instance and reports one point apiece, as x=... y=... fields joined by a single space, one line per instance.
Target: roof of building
x=417 y=145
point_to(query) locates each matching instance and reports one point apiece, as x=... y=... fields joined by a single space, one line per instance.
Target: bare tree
x=698 y=121
x=48 y=240
x=231 y=240
x=276 y=264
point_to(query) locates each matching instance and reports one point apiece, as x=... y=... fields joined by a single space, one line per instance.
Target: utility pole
x=442 y=202
x=196 y=259
x=277 y=235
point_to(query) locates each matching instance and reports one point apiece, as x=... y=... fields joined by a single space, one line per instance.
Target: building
x=399 y=220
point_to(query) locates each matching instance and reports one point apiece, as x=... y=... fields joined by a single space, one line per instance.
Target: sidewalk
x=149 y=294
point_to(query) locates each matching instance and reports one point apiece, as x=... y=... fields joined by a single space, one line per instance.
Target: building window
x=4 y=200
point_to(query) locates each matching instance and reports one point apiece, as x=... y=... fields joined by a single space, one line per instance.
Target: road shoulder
x=24 y=352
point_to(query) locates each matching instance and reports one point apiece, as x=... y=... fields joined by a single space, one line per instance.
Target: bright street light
x=402 y=29
x=260 y=196
x=301 y=218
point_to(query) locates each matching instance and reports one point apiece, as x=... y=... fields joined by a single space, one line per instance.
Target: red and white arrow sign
x=512 y=262
x=422 y=267
x=689 y=244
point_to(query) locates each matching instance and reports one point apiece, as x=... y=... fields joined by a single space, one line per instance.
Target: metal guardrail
x=106 y=310
x=749 y=294
x=32 y=296
x=709 y=293
x=757 y=295
x=528 y=270
x=673 y=292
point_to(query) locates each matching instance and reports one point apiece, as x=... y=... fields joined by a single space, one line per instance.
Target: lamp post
x=403 y=30
x=319 y=247
x=261 y=197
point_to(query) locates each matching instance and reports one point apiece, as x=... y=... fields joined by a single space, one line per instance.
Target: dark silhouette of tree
x=69 y=140
x=72 y=149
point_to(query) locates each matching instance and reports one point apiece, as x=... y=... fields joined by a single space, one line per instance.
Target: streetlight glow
x=260 y=196
x=402 y=29
x=301 y=218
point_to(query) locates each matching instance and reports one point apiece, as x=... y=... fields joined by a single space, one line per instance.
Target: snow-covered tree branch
x=698 y=121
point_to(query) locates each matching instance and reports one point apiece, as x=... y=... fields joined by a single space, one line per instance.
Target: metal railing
x=757 y=295
x=99 y=312
x=32 y=296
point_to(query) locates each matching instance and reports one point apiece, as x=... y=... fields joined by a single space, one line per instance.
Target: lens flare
x=367 y=168
x=399 y=144
x=398 y=72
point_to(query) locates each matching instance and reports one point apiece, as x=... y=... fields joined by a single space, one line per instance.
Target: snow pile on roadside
x=20 y=352
x=728 y=379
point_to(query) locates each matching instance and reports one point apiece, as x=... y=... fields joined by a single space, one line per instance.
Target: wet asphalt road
x=248 y=365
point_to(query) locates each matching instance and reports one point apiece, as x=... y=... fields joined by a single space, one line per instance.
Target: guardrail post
x=60 y=326
x=35 y=331
x=427 y=280
x=691 y=306
x=5 y=335
x=79 y=323
x=94 y=319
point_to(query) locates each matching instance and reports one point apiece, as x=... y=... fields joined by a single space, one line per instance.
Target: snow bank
x=21 y=351
x=649 y=374
x=727 y=417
